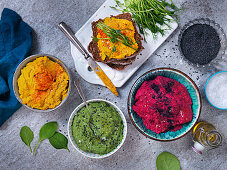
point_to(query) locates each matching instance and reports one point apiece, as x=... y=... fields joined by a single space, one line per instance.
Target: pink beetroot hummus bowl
x=168 y=96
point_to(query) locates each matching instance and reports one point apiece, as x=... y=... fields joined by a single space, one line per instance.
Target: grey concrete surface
x=138 y=152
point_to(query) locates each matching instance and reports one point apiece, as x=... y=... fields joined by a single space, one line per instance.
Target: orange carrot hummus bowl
x=42 y=82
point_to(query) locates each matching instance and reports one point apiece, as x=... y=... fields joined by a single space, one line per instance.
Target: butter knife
x=96 y=68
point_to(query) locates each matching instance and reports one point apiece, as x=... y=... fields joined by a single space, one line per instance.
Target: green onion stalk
x=149 y=14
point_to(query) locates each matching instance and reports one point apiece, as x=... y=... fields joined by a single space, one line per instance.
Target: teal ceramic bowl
x=183 y=79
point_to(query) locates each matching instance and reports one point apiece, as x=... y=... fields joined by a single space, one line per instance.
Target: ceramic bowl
x=18 y=73
x=70 y=132
x=208 y=95
x=183 y=79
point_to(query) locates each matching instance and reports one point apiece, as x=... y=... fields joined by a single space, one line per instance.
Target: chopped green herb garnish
x=114 y=36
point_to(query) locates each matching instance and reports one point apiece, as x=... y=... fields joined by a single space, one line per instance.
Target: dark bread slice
x=93 y=45
x=118 y=66
x=114 y=63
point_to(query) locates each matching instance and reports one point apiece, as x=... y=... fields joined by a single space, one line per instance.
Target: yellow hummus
x=43 y=84
x=122 y=51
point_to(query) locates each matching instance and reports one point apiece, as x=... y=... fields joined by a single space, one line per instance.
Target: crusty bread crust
x=118 y=64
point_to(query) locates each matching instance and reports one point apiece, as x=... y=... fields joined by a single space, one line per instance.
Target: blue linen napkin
x=15 y=44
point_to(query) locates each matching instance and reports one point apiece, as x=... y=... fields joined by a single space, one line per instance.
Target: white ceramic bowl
x=212 y=84
x=70 y=133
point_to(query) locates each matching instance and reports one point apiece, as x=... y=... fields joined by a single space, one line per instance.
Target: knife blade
x=105 y=79
x=91 y=62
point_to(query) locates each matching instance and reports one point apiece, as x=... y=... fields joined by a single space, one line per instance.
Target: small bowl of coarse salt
x=216 y=90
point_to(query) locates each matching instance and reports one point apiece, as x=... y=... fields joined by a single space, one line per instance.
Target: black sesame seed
x=200 y=43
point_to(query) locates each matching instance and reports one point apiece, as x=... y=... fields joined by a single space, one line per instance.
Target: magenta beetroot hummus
x=164 y=104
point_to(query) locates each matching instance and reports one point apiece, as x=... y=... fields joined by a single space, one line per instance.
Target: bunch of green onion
x=149 y=14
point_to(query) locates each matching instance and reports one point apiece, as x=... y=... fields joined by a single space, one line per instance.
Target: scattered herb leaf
x=27 y=136
x=95 y=39
x=46 y=132
x=166 y=160
x=114 y=48
x=59 y=141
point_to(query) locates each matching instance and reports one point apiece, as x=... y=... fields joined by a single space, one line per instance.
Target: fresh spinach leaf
x=166 y=160
x=27 y=136
x=46 y=132
x=59 y=141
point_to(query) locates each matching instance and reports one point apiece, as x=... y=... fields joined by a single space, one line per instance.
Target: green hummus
x=105 y=131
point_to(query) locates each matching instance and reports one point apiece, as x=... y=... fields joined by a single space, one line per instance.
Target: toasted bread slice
x=118 y=64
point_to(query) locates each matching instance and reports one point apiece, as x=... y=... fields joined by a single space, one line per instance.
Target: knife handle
x=71 y=36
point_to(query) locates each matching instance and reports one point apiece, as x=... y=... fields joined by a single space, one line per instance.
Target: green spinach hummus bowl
x=99 y=132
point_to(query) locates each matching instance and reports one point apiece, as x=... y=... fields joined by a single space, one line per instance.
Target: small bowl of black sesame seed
x=202 y=42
